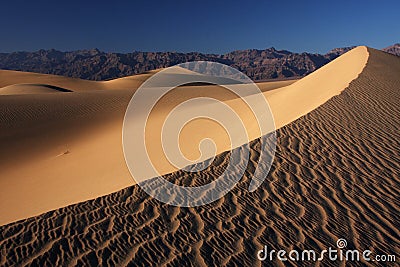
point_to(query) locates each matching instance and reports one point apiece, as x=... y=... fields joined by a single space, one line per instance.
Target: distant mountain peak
x=393 y=49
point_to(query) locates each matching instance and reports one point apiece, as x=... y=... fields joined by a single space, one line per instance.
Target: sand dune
x=67 y=147
x=9 y=77
x=22 y=89
x=335 y=175
x=12 y=78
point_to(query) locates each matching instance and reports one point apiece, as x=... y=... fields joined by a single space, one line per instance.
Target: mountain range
x=94 y=64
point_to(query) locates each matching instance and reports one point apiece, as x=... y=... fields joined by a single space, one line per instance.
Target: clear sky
x=203 y=26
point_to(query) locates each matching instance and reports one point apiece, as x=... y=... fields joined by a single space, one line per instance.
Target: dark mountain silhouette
x=97 y=65
x=393 y=49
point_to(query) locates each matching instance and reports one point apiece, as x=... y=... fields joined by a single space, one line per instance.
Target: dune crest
x=291 y=102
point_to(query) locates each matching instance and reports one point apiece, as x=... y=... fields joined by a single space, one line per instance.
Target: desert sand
x=65 y=138
x=335 y=174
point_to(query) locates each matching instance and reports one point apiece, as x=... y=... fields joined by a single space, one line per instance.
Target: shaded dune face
x=335 y=175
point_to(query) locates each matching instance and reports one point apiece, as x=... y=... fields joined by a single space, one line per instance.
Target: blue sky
x=203 y=26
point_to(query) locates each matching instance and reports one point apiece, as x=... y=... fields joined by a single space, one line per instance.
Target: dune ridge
x=335 y=175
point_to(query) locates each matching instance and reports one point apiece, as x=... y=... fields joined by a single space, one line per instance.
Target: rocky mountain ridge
x=94 y=64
